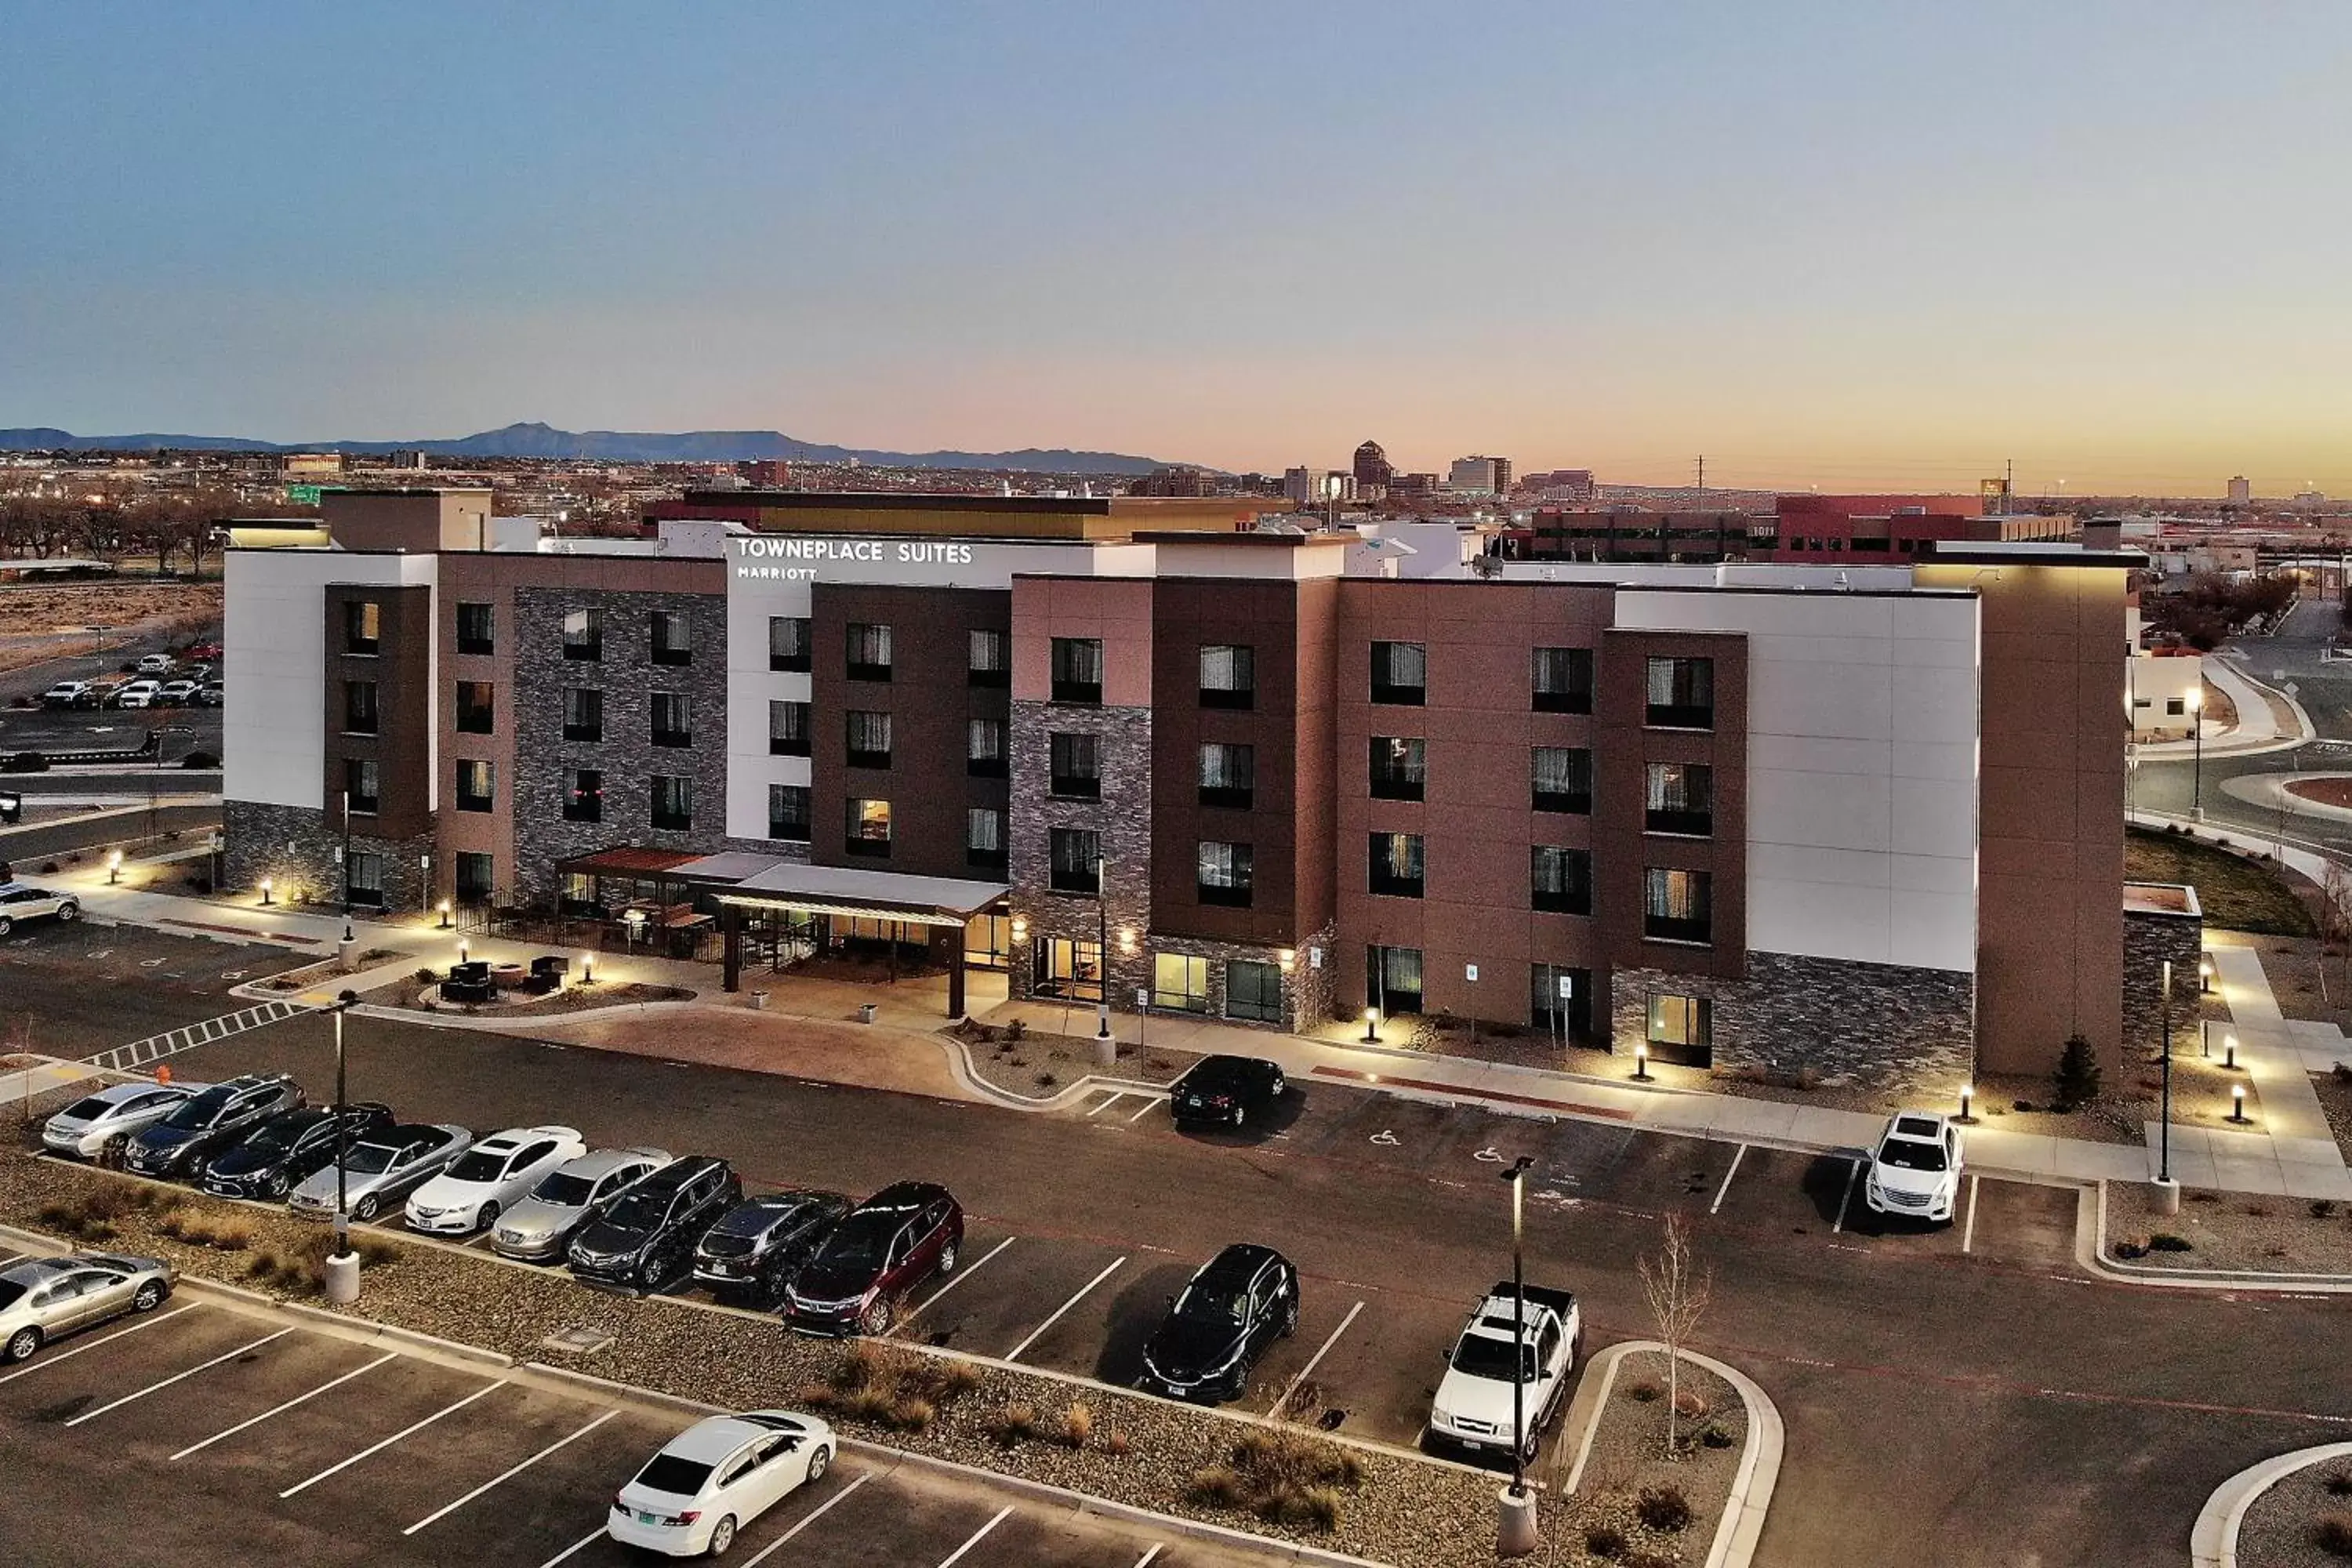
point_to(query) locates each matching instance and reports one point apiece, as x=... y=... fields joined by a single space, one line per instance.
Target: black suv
x=762 y=1240
x=183 y=1142
x=290 y=1147
x=1244 y=1299
x=1226 y=1090
x=647 y=1237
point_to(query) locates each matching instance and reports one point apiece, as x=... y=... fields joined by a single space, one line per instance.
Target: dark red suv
x=881 y=1250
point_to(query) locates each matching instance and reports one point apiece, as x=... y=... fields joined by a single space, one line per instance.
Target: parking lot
x=207 y=1434
x=151 y=981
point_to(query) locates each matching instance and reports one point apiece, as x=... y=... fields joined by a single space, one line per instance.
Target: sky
x=1851 y=246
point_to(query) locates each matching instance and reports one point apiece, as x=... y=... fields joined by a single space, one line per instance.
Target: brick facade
x=2150 y=939
x=1122 y=816
x=296 y=848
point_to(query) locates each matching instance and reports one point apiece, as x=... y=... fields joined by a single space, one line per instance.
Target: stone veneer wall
x=1219 y=953
x=1872 y=1025
x=1123 y=817
x=2148 y=940
x=296 y=846
x=626 y=756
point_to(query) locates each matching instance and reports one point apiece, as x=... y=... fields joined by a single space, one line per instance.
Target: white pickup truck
x=1473 y=1406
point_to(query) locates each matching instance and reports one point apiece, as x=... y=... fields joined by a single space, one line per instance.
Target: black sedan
x=291 y=1147
x=754 y=1250
x=183 y=1142
x=647 y=1237
x=1226 y=1091
x=1240 y=1301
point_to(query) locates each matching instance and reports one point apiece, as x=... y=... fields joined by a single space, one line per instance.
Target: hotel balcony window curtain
x=671 y=638
x=788 y=813
x=990 y=664
x=1399 y=767
x=983 y=836
x=584 y=713
x=1392 y=979
x=869 y=651
x=476 y=628
x=1253 y=991
x=1228 y=676
x=360 y=784
x=673 y=719
x=359 y=714
x=363 y=627
x=1563 y=681
x=583 y=795
x=984 y=748
x=1228 y=774
x=673 y=802
x=1396 y=868
x=583 y=634
x=788 y=729
x=1077 y=669
x=1563 y=779
x=1076 y=860
x=1681 y=799
x=869 y=739
x=868 y=828
x=478 y=706
x=476 y=785
x=1676 y=905
x=788 y=642
x=1074 y=765
x=1560 y=880
x=1224 y=874
x=1179 y=983
x=1399 y=672
x=1680 y=693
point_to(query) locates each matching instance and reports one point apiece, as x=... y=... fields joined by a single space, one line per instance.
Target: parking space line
x=1968 y=1231
x=1038 y=1333
x=176 y=1377
x=814 y=1515
x=1145 y=1561
x=396 y=1437
x=594 y=1535
x=1312 y=1362
x=951 y=1285
x=956 y=1556
x=1735 y=1155
x=1150 y=1104
x=281 y=1410
x=68 y=1355
x=486 y=1486
x=1853 y=1169
x=1116 y=1096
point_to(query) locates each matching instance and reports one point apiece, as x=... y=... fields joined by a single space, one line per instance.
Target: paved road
x=1963 y=1387
x=27 y=846
x=129 y=781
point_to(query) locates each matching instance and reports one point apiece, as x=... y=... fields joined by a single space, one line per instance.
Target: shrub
x=1605 y=1541
x=1015 y=1424
x=2165 y=1241
x=425 y=976
x=1218 y=1486
x=2130 y=1249
x=1116 y=1444
x=1646 y=1559
x=1715 y=1436
x=2332 y=1535
x=1017 y=1029
x=1645 y=1391
x=1663 y=1509
x=2077 y=1077
x=2338 y=1483
x=1047 y=1080
x=200 y=759
x=2321 y=1208
x=914 y=1414
x=2341 y=1072
x=1320 y=1507
x=1077 y=1425
x=1691 y=1405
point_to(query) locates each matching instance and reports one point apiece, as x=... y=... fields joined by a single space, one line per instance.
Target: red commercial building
x=1896 y=530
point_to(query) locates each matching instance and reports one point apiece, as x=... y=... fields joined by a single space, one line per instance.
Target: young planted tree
x=2077 y=1079
x=1677 y=1290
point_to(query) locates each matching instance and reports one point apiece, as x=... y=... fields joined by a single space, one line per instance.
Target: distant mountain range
x=537 y=440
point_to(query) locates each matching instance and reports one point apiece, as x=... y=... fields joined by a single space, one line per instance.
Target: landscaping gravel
x=1039 y=1066
x=2281 y=1528
x=1628 y=1457
x=2234 y=1231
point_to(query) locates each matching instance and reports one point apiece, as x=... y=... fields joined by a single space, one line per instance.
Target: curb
x=1742 y=1525
x=2213 y=1539
x=2091 y=1254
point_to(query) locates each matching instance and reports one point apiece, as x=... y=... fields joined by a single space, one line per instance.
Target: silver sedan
x=538 y=1229
x=45 y=1298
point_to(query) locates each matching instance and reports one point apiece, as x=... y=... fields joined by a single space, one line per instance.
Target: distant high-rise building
x=1573 y=485
x=1301 y=485
x=1373 y=466
x=407 y=458
x=1179 y=480
x=1480 y=475
x=2241 y=490
x=765 y=473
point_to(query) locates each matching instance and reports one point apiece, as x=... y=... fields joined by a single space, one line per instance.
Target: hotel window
x=477 y=874
x=1680 y=694
x=983 y=839
x=983 y=748
x=788 y=813
x=1676 y=905
x=583 y=635
x=869 y=651
x=1392 y=979
x=869 y=739
x=673 y=719
x=1562 y=779
x=583 y=795
x=476 y=628
x=1563 y=681
x=1253 y=991
x=990 y=661
x=1560 y=880
x=1179 y=983
x=363 y=878
x=476 y=785
x=1399 y=767
x=788 y=642
x=869 y=828
x=1228 y=774
x=788 y=729
x=670 y=637
x=1400 y=673
x=1396 y=865
x=363 y=625
x=361 y=783
x=1681 y=799
x=1074 y=766
x=1225 y=876
x=1228 y=676
x=584 y=713
x=478 y=708
x=673 y=803
x=1547 y=1010
x=1077 y=669
x=1076 y=860
x=1682 y=1023
x=359 y=716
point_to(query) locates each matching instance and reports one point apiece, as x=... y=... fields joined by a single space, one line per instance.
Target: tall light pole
x=2164 y=1138
x=1518 y=1533
x=347 y=854
x=342 y=1264
x=2197 y=728
x=1102 y=947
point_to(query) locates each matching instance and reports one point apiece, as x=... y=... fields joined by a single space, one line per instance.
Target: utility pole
x=1699 y=503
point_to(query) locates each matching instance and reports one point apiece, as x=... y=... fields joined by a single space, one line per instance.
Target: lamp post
x=1102 y=948
x=347 y=854
x=2166 y=1185
x=343 y=1264
x=1517 y=1530
x=2196 y=701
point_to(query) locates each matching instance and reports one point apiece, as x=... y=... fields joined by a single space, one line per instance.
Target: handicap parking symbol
x=1386 y=1139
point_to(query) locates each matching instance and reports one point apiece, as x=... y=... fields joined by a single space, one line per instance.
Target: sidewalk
x=2289 y=1151
x=2257 y=729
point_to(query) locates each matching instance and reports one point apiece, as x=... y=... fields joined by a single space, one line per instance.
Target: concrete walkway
x=2257 y=729
x=2290 y=1151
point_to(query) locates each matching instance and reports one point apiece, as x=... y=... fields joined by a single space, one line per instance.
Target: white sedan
x=715 y=1477
x=486 y=1179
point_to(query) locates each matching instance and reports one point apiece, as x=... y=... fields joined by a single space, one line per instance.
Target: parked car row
x=197 y=688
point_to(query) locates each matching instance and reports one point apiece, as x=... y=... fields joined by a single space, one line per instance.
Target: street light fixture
x=1371 y=1025
x=2195 y=702
x=1641 y=1061
x=114 y=869
x=1518 y=1529
x=342 y=1264
x=1102 y=948
x=267 y=884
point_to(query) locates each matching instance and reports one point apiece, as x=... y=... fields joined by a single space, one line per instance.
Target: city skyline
x=1892 y=251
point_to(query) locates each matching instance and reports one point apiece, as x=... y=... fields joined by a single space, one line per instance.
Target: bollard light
x=1968 y=1099
x=2205 y=974
x=463 y=948
x=2230 y=1053
x=1640 y=1062
x=445 y=914
x=588 y=970
x=1371 y=1025
x=266 y=884
x=2237 y=1102
x=114 y=867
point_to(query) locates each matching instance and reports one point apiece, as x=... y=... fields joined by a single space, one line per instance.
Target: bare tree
x=1678 y=1289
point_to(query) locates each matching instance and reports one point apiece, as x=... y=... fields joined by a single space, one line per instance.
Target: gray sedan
x=380 y=1172
x=538 y=1229
x=45 y=1298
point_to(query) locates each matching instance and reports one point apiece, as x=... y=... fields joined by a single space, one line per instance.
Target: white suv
x=22 y=901
x=1915 y=1169
x=138 y=694
x=155 y=664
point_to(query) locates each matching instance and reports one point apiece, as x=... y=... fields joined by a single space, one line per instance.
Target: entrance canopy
x=860 y=894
